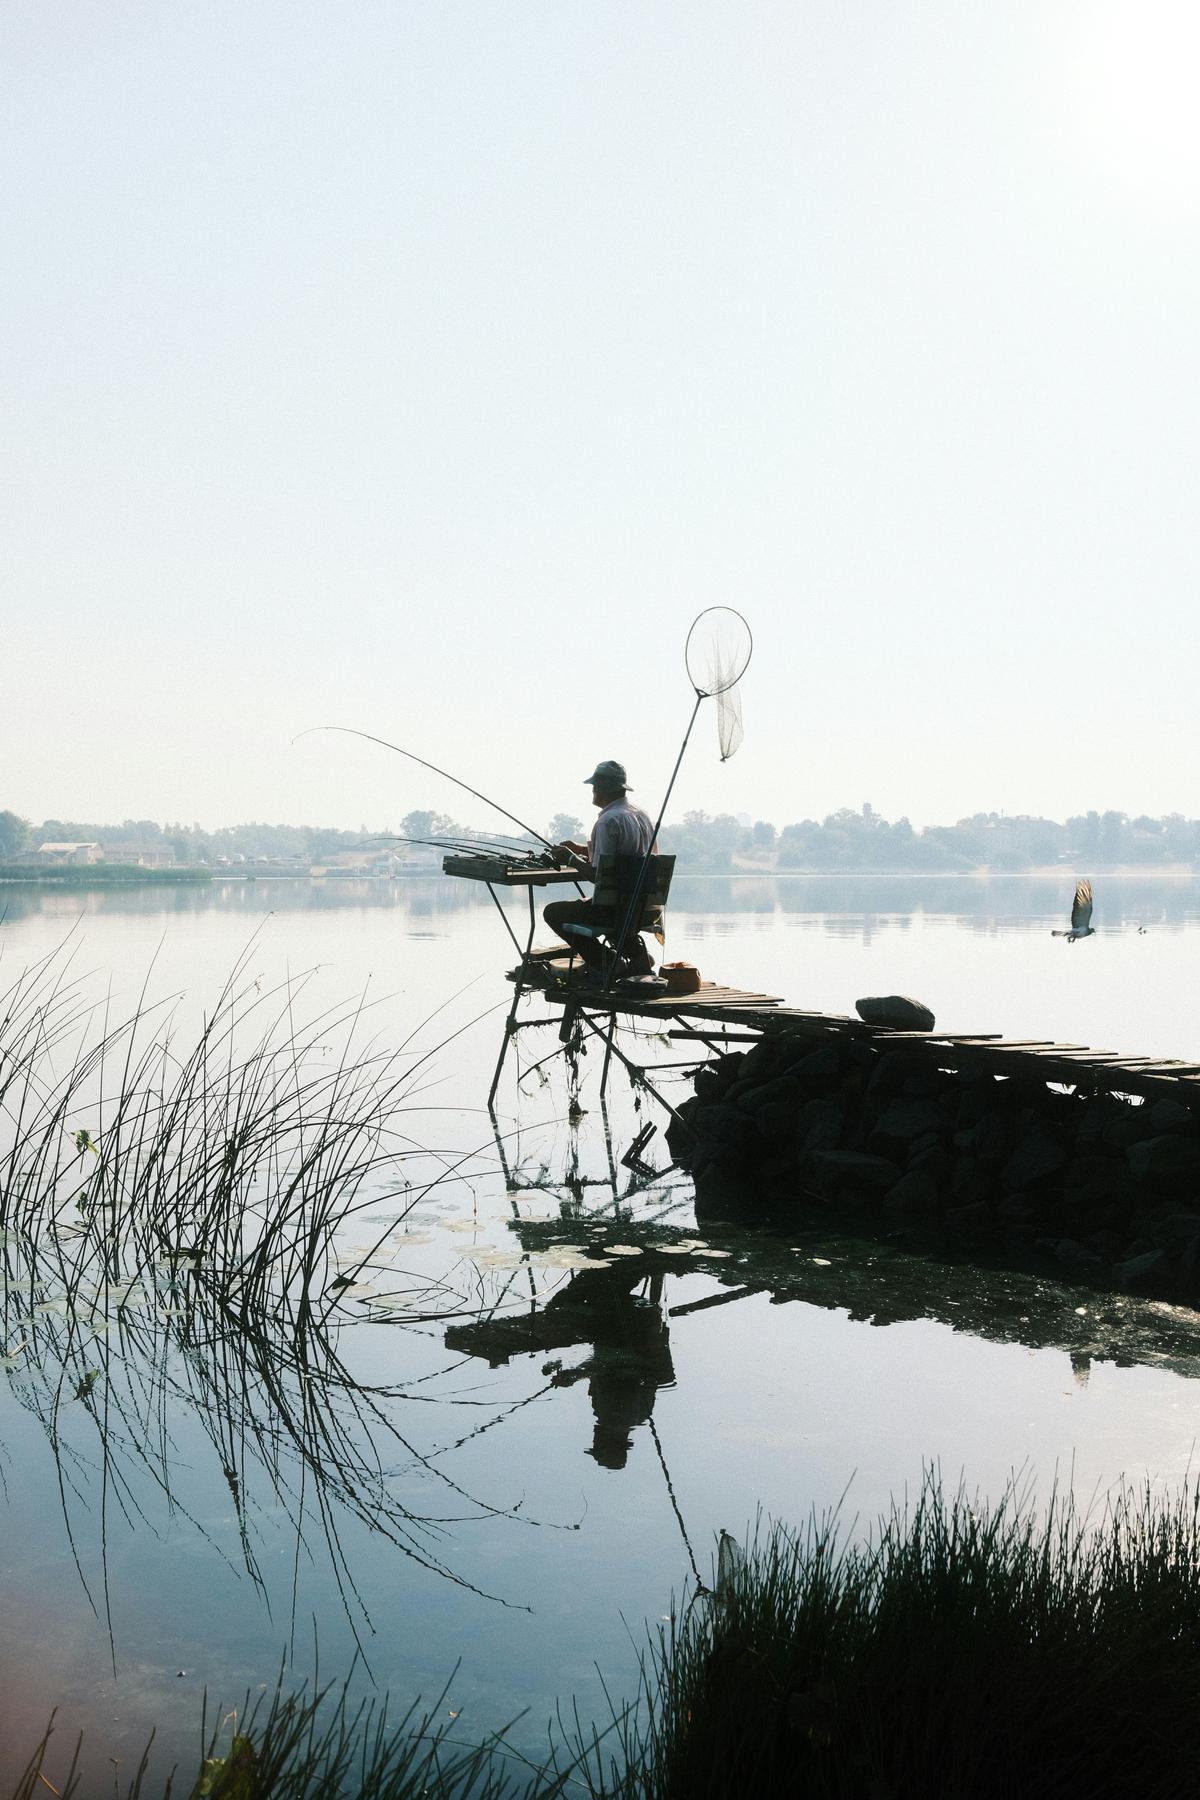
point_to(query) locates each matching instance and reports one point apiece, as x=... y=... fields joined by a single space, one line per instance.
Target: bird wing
x=1081 y=912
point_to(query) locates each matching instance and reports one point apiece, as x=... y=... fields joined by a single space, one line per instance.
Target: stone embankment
x=1107 y=1187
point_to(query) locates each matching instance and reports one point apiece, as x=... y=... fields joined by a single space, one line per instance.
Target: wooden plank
x=1162 y=1065
x=940 y=1040
x=717 y=1007
x=726 y=1037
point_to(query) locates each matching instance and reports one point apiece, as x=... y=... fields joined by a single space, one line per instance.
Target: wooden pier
x=716 y=1016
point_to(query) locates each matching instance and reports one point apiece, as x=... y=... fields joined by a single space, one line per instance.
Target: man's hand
x=568 y=853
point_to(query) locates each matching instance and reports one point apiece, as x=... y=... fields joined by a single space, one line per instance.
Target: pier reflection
x=619 y=1309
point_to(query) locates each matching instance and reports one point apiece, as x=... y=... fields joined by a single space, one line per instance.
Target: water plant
x=959 y=1650
x=173 y=1229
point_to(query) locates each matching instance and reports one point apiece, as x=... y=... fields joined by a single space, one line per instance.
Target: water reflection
x=299 y=1438
x=618 y=1312
x=318 y=1457
x=618 y=1309
x=841 y=904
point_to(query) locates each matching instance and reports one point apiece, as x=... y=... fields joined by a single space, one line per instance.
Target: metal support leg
x=608 y=1049
x=608 y=1147
x=511 y=1026
x=638 y=1075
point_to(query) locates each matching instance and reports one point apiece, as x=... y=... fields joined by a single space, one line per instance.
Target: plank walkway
x=751 y=1016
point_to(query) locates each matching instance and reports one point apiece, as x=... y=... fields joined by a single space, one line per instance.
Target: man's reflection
x=631 y=1353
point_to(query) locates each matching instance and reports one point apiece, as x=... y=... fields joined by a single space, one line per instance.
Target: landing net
x=729 y=721
x=719 y=647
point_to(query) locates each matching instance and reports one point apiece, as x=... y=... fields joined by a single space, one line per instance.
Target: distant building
x=142 y=856
x=69 y=853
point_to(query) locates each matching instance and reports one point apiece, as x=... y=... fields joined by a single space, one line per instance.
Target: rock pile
x=1108 y=1187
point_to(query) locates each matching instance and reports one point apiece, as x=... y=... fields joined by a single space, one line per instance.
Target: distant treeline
x=850 y=840
x=845 y=840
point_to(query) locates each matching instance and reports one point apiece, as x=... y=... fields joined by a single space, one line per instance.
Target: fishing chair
x=618 y=880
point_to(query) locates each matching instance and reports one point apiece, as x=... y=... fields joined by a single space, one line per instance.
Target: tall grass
x=962 y=1650
x=241 y=1144
x=298 y=1747
x=171 y=1210
x=965 y=1650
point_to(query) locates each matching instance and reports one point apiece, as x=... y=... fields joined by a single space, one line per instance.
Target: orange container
x=681 y=977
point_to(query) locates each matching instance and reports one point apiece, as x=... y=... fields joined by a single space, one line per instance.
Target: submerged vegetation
x=172 y=1230
x=957 y=1651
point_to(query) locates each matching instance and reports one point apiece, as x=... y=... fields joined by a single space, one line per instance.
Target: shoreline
x=131 y=875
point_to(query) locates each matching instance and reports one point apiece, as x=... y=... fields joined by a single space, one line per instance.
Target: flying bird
x=1081 y=915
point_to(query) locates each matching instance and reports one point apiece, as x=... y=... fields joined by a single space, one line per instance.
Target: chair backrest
x=617 y=879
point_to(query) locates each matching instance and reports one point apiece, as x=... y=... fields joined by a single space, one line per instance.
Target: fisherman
x=622 y=829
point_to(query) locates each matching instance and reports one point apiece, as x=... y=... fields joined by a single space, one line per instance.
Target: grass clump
x=299 y=1747
x=962 y=1651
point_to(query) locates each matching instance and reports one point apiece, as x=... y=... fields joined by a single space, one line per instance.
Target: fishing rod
x=352 y=731
x=463 y=846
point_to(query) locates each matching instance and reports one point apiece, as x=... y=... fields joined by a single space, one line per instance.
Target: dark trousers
x=581 y=912
x=600 y=918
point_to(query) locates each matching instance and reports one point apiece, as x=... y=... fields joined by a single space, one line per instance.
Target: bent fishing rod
x=352 y=731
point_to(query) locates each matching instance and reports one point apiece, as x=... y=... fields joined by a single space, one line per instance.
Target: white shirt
x=620 y=830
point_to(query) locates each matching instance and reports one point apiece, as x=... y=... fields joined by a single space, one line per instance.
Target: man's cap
x=608 y=774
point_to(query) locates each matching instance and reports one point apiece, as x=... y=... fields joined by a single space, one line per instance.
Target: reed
x=963 y=1650
x=172 y=1214
x=297 y=1747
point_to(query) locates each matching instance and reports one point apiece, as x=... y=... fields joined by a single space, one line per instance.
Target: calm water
x=513 y=1517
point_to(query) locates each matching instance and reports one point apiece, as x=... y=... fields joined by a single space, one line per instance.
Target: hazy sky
x=426 y=367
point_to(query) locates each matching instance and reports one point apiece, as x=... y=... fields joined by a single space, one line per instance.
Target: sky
x=427 y=367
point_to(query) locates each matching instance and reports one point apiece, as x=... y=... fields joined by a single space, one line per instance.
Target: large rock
x=1036 y=1156
x=1173 y=1116
x=776 y=1124
x=708 y=1084
x=1074 y=1255
x=904 y=1120
x=784 y=1088
x=896 y=1010
x=915 y=1194
x=820 y=1124
x=1145 y=1273
x=834 y=1172
x=1176 y=1231
x=973 y=1220
x=991 y=1139
x=1168 y=1163
x=818 y=1068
